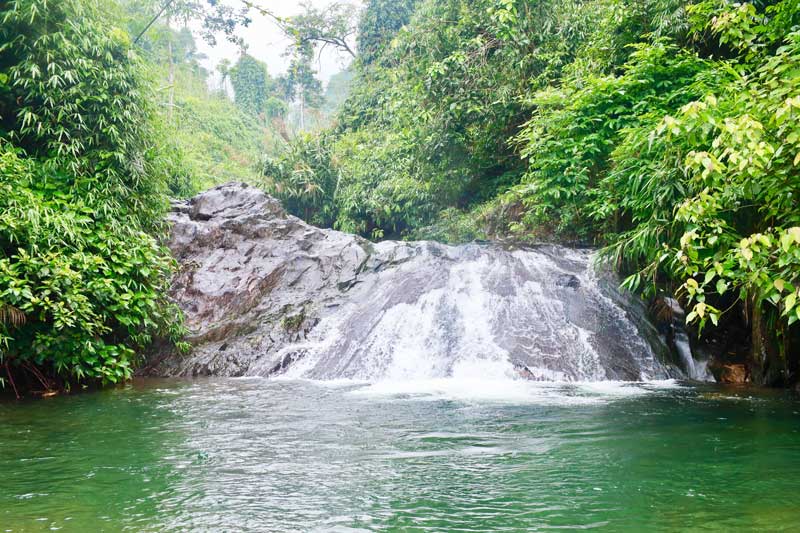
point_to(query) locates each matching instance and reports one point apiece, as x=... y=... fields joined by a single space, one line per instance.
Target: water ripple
x=281 y=456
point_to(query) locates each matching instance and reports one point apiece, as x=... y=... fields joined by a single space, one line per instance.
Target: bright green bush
x=82 y=191
x=742 y=228
x=87 y=291
x=570 y=139
x=217 y=142
x=305 y=179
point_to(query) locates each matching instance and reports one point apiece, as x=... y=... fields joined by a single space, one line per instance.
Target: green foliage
x=75 y=92
x=204 y=138
x=217 y=142
x=251 y=85
x=333 y=25
x=337 y=91
x=379 y=22
x=300 y=82
x=213 y=139
x=91 y=290
x=427 y=126
x=571 y=139
x=685 y=167
x=81 y=184
x=304 y=179
x=742 y=227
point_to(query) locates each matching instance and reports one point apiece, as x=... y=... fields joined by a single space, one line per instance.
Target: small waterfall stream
x=265 y=294
x=478 y=312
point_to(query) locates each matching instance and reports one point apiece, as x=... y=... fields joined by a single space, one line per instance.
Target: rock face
x=265 y=293
x=250 y=278
x=733 y=373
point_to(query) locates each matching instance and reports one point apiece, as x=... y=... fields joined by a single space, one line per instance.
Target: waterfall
x=476 y=312
x=265 y=294
x=695 y=369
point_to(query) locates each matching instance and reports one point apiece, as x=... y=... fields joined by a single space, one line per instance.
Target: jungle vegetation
x=664 y=132
x=105 y=114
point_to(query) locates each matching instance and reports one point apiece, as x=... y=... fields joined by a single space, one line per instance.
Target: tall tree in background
x=379 y=22
x=224 y=69
x=252 y=85
x=337 y=90
x=334 y=25
x=312 y=32
x=301 y=84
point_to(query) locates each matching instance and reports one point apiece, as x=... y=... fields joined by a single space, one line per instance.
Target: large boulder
x=264 y=293
x=251 y=278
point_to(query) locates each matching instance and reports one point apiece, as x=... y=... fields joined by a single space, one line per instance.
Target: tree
x=379 y=22
x=224 y=69
x=335 y=25
x=337 y=90
x=301 y=83
x=252 y=85
x=215 y=17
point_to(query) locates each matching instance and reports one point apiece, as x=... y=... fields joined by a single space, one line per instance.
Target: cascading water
x=266 y=294
x=694 y=369
x=478 y=312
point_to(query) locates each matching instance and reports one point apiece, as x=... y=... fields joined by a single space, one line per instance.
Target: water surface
x=439 y=455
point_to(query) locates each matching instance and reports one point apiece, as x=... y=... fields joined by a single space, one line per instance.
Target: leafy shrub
x=82 y=190
x=90 y=290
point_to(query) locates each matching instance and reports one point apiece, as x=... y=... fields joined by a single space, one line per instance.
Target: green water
x=259 y=455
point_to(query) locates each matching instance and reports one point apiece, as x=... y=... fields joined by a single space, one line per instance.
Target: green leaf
x=789 y=302
x=722 y=286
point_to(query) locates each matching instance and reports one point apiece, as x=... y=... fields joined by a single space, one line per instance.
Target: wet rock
x=248 y=273
x=733 y=373
x=264 y=293
x=568 y=281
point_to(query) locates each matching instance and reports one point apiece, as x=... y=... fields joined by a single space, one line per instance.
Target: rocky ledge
x=261 y=288
x=251 y=278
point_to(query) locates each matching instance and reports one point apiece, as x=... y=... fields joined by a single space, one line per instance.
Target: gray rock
x=265 y=293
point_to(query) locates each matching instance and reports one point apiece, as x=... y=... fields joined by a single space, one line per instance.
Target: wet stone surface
x=265 y=293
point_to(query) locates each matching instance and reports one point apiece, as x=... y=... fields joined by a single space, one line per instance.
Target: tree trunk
x=302 y=111
x=768 y=364
x=170 y=77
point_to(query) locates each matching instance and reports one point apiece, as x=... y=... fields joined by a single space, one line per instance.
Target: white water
x=512 y=391
x=479 y=316
x=695 y=369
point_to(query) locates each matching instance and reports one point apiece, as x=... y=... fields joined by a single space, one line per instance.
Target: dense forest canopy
x=664 y=132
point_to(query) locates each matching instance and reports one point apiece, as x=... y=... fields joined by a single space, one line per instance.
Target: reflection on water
x=438 y=455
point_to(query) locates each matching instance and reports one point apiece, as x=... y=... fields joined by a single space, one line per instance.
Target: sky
x=266 y=41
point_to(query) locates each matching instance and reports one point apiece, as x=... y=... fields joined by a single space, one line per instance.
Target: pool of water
x=275 y=456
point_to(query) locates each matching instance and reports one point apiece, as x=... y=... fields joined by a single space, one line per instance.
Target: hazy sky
x=266 y=41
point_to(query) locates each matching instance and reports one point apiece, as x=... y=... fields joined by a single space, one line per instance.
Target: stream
x=466 y=454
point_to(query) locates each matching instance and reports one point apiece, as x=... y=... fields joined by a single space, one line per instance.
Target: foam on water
x=510 y=391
